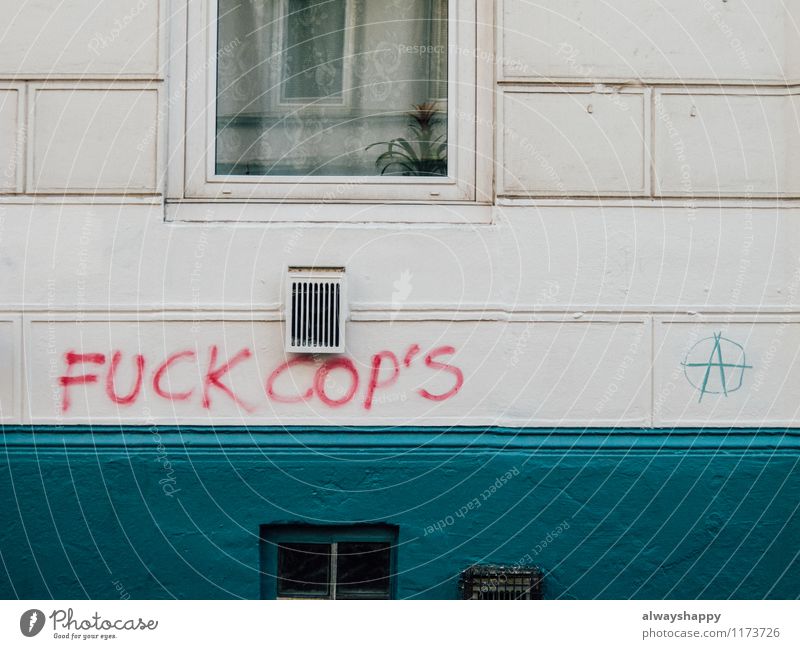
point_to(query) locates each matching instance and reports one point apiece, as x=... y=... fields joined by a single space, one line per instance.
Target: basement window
x=310 y=562
x=336 y=100
x=500 y=582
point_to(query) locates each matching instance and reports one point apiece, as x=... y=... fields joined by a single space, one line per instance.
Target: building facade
x=570 y=328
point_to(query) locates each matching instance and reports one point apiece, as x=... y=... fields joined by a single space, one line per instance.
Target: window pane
x=304 y=569
x=313 y=51
x=363 y=570
x=332 y=87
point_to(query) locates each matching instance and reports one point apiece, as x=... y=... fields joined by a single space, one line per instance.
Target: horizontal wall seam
x=531 y=430
x=642 y=84
x=18 y=440
x=569 y=312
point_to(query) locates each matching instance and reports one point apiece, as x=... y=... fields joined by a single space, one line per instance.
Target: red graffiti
x=111 y=391
x=67 y=380
x=340 y=372
x=457 y=373
x=410 y=354
x=274 y=396
x=213 y=377
x=322 y=375
x=374 y=378
x=162 y=370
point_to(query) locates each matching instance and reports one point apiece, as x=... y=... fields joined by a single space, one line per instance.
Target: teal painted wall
x=648 y=514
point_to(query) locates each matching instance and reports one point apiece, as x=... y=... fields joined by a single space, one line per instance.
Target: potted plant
x=424 y=153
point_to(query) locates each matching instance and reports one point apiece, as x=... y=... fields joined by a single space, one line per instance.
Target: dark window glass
x=304 y=569
x=363 y=570
x=314 y=50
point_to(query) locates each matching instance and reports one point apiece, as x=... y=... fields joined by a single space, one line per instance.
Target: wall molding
x=295 y=440
x=380 y=311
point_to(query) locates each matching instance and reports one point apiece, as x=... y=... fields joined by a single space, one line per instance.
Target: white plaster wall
x=762 y=377
x=11 y=137
x=569 y=143
x=632 y=221
x=553 y=258
x=686 y=40
x=514 y=373
x=715 y=143
x=92 y=138
x=792 y=25
x=80 y=37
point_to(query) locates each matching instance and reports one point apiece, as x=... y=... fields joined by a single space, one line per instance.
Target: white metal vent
x=315 y=310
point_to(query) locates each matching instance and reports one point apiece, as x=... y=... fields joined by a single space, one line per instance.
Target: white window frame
x=191 y=167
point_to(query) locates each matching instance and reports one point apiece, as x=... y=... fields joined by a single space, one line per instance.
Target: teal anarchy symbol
x=716 y=365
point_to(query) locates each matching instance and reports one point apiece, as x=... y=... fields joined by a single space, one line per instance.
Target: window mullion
x=334 y=561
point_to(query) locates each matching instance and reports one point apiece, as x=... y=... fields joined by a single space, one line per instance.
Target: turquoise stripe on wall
x=175 y=512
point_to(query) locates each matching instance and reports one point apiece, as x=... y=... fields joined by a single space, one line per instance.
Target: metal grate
x=498 y=582
x=315 y=310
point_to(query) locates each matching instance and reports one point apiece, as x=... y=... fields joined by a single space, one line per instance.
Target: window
x=334 y=101
x=500 y=582
x=332 y=88
x=309 y=562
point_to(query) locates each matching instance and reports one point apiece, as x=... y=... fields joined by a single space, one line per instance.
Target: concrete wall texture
x=615 y=315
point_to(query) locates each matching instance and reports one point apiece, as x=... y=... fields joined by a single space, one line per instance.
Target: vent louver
x=498 y=582
x=315 y=310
